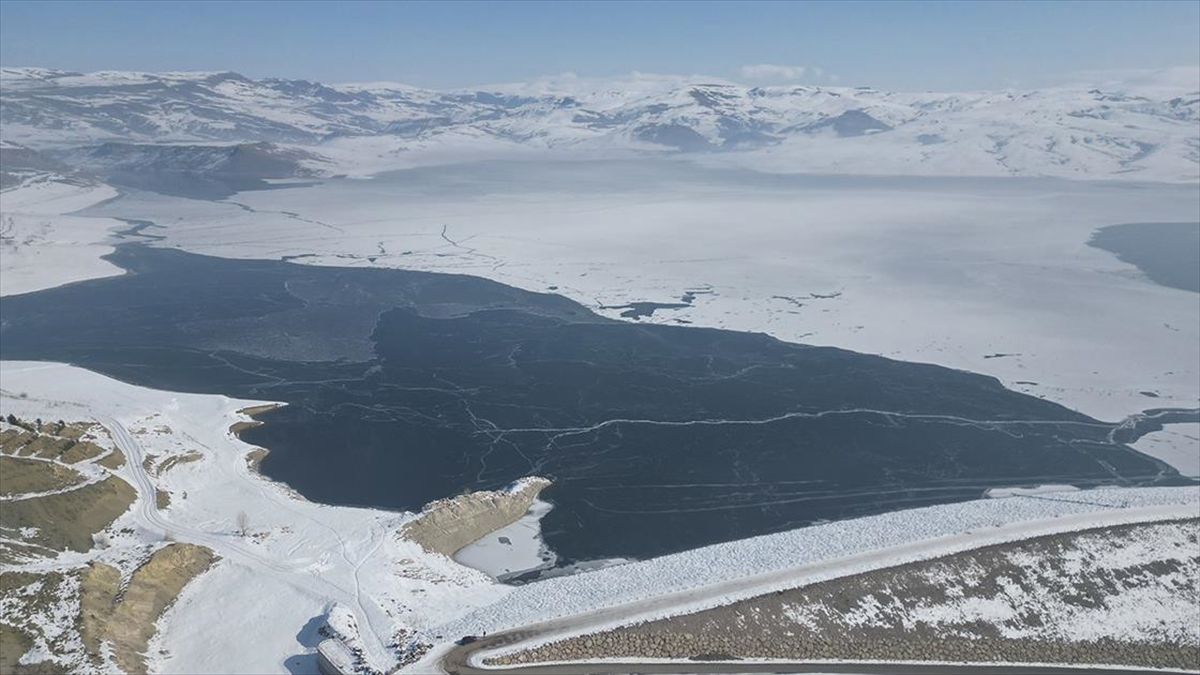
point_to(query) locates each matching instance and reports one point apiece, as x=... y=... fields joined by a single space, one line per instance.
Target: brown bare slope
x=67 y=520
x=127 y=621
x=447 y=525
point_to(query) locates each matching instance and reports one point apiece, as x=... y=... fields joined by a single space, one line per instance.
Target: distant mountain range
x=1078 y=132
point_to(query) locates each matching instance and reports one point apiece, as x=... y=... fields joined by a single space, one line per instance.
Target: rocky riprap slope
x=1123 y=595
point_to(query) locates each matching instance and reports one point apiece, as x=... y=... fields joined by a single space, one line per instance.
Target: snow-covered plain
x=41 y=246
x=991 y=276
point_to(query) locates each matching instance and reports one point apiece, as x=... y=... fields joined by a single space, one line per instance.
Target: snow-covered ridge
x=1077 y=132
x=248 y=160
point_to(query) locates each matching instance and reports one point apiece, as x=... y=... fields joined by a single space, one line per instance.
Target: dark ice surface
x=1168 y=253
x=404 y=387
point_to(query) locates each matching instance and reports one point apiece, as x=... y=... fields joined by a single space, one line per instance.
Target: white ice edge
x=44 y=245
x=1051 y=488
x=525 y=551
x=1176 y=444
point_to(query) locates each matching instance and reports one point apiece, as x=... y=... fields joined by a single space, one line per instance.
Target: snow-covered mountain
x=1076 y=132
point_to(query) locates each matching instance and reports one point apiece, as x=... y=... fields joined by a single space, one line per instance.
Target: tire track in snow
x=318 y=587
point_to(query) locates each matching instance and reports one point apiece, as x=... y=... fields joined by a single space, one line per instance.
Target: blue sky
x=898 y=45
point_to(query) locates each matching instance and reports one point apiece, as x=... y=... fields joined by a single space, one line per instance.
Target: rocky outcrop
x=447 y=525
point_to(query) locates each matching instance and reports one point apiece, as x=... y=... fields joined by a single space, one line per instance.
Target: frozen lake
x=936 y=270
x=404 y=387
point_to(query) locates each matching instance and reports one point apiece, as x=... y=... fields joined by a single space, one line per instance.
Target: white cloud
x=1159 y=82
x=573 y=84
x=773 y=71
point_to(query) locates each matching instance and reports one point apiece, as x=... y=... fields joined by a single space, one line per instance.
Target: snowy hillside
x=1144 y=133
x=250 y=160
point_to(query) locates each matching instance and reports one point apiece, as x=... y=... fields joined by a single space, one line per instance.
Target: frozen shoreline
x=44 y=245
x=511 y=550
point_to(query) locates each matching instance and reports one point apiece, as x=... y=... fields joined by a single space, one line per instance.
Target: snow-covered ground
x=1150 y=611
x=991 y=276
x=513 y=549
x=263 y=602
x=41 y=246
